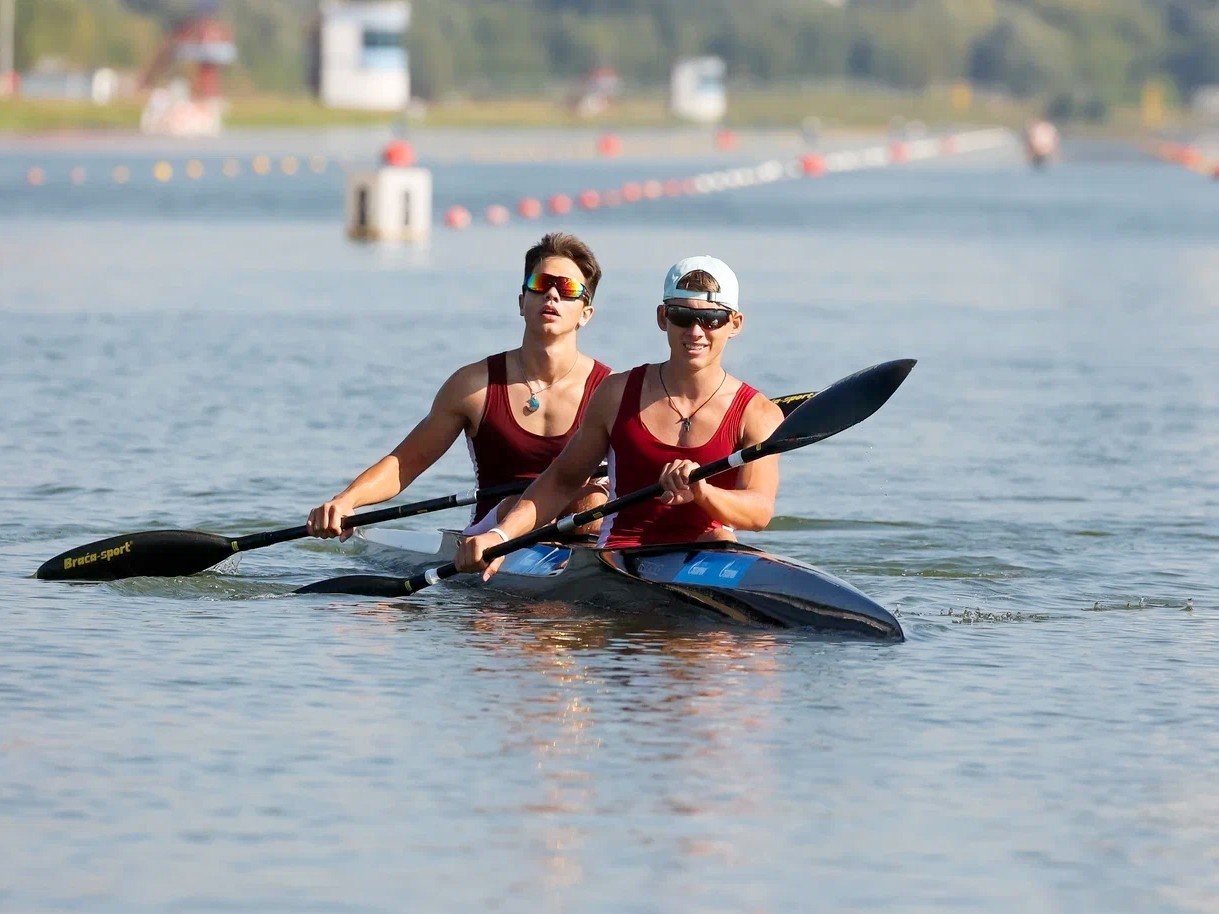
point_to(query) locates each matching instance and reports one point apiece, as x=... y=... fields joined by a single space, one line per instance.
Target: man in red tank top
x=517 y=409
x=661 y=422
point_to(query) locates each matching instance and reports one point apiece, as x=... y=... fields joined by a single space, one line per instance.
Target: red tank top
x=636 y=458
x=504 y=452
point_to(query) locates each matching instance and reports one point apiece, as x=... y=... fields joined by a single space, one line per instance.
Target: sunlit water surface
x=1038 y=504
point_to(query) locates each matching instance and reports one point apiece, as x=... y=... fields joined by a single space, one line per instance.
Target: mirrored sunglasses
x=566 y=286
x=707 y=318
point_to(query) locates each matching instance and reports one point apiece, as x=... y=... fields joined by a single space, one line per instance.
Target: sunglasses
x=707 y=318
x=566 y=286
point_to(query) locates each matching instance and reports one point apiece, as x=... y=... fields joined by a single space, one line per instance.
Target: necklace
x=533 y=404
x=686 y=420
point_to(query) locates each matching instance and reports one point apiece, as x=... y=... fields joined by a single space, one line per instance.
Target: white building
x=361 y=57
x=696 y=90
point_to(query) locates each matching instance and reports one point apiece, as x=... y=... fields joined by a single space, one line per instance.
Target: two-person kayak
x=727 y=580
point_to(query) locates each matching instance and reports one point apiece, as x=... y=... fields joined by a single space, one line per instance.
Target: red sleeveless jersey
x=504 y=452
x=636 y=458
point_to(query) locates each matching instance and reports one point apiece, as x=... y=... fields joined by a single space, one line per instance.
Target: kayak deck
x=729 y=580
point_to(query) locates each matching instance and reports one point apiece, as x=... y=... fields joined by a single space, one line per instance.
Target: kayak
x=728 y=580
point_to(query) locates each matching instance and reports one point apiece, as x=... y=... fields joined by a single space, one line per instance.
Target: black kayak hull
x=730 y=580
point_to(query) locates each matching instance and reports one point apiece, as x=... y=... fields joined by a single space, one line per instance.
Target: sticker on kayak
x=537 y=561
x=715 y=568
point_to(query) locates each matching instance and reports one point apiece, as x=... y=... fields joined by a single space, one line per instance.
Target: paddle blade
x=154 y=553
x=844 y=403
x=364 y=585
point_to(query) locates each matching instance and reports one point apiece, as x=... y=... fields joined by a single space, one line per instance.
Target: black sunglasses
x=707 y=318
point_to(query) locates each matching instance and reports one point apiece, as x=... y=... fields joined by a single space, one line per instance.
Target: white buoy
x=390 y=204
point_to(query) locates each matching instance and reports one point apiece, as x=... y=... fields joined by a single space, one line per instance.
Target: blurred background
x=1118 y=65
x=195 y=338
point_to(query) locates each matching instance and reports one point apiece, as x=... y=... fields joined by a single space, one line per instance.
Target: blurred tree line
x=1083 y=55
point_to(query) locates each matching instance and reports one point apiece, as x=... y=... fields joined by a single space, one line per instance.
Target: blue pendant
x=533 y=404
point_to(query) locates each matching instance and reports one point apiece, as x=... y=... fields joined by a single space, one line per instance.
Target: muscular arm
x=554 y=489
x=751 y=505
x=459 y=398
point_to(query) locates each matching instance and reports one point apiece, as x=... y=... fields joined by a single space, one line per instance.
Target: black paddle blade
x=154 y=553
x=363 y=585
x=844 y=403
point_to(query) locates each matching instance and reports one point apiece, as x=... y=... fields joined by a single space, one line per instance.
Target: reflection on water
x=1036 y=504
x=696 y=715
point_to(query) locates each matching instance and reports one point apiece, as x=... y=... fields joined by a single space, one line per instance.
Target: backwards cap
x=728 y=294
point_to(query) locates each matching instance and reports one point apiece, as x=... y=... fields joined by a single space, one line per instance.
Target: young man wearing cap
x=518 y=409
x=660 y=422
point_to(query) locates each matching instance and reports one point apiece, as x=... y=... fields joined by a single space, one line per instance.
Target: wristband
x=502 y=535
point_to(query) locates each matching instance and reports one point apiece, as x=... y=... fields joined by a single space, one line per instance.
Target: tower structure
x=204 y=43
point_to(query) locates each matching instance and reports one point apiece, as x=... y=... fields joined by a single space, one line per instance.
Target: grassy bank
x=787 y=107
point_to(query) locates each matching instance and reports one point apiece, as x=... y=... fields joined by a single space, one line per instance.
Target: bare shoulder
x=603 y=407
x=466 y=389
x=613 y=385
x=762 y=417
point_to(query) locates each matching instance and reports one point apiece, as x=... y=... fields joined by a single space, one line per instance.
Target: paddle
x=844 y=403
x=169 y=553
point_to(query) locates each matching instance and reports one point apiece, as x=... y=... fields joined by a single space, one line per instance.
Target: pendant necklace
x=686 y=420
x=533 y=404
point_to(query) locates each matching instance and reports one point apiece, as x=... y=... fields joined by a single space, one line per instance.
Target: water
x=1038 y=503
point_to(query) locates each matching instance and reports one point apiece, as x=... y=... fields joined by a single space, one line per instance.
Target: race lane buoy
x=390 y=203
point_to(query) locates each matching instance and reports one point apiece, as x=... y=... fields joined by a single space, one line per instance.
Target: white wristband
x=502 y=535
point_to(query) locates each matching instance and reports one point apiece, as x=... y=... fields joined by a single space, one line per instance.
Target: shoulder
x=612 y=387
x=465 y=385
x=607 y=398
x=761 y=417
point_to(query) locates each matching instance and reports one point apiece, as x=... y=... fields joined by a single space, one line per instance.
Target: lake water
x=1039 y=504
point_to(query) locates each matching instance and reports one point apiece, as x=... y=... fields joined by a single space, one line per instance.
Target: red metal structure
x=206 y=41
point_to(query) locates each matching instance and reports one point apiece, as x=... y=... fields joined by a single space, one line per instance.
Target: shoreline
x=805 y=112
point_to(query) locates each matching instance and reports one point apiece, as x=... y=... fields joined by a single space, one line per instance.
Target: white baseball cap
x=729 y=292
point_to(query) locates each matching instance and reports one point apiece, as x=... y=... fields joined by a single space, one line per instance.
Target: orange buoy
x=725 y=139
x=812 y=165
x=457 y=217
x=399 y=154
x=609 y=145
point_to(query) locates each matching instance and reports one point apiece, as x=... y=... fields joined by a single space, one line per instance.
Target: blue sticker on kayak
x=537 y=561
x=718 y=569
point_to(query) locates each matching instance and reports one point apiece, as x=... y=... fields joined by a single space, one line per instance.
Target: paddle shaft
x=171 y=553
x=270 y=537
x=570 y=523
x=380 y=516
x=815 y=417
